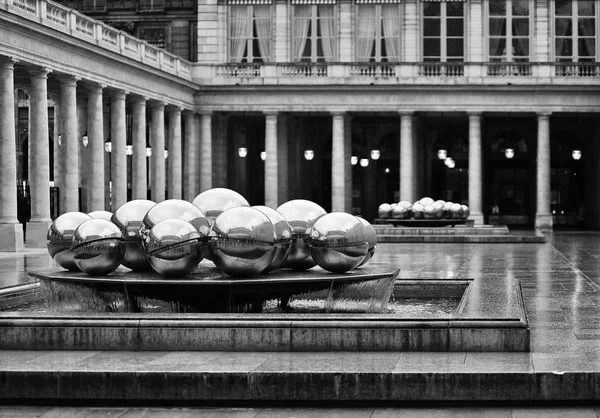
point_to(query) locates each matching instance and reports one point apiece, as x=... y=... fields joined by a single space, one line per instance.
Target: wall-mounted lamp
x=576 y=154
x=263 y=155
x=309 y=154
x=108 y=147
x=128 y=149
x=375 y=154
x=85 y=140
x=59 y=139
x=148 y=152
x=509 y=153
x=442 y=154
x=387 y=170
x=242 y=152
x=447 y=161
x=451 y=164
x=354 y=160
x=166 y=154
x=364 y=162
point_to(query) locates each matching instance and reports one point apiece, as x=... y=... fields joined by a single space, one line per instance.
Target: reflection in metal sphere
x=242 y=241
x=128 y=217
x=174 y=209
x=174 y=247
x=215 y=201
x=371 y=240
x=60 y=238
x=301 y=215
x=384 y=211
x=283 y=236
x=338 y=242
x=101 y=214
x=98 y=247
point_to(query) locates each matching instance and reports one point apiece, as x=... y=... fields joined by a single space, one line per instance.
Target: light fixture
x=166 y=154
x=59 y=139
x=309 y=154
x=128 y=149
x=242 y=152
x=509 y=153
x=451 y=164
x=263 y=155
x=364 y=162
x=576 y=154
x=375 y=154
x=387 y=170
x=448 y=160
x=85 y=140
x=108 y=146
x=148 y=152
x=354 y=160
x=442 y=154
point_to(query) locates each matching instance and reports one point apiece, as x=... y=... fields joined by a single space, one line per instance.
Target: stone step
x=456 y=230
x=533 y=239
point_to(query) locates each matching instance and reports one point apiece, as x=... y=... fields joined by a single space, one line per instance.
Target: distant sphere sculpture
x=128 y=217
x=448 y=209
x=301 y=215
x=215 y=201
x=466 y=211
x=242 y=241
x=426 y=201
x=371 y=240
x=101 y=214
x=438 y=205
x=338 y=242
x=98 y=247
x=429 y=212
x=384 y=211
x=283 y=236
x=401 y=212
x=60 y=238
x=457 y=211
x=174 y=247
x=417 y=209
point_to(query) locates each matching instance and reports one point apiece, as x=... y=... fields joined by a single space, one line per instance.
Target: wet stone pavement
x=560 y=281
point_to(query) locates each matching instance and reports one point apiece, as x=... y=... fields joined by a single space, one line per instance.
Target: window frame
x=250 y=42
x=314 y=37
x=509 y=37
x=443 y=36
x=379 y=38
x=575 y=57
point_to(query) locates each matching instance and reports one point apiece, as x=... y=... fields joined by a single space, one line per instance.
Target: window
x=378 y=33
x=250 y=36
x=509 y=30
x=443 y=31
x=575 y=30
x=314 y=33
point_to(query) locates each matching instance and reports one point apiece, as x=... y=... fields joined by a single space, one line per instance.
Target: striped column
x=338 y=162
x=157 y=161
x=206 y=151
x=543 y=217
x=271 y=171
x=139 y=181
x=69 y=192
x=174 y=169
x=95 y=123
x=407 y=170
x=475 y=169
x=190 y=156
x=118 y=162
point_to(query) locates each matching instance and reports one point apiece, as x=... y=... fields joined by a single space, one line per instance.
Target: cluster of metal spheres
x=173 y=236
x=425 y=208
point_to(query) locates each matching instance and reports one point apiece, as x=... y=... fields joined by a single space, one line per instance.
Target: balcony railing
x=303 y=70
x=373 y=69
x=508 y=69
x=577 y=69
x=442 y=69
x=82 y=27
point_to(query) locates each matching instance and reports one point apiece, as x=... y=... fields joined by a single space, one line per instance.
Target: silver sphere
x=174 y=209
x=371 y=240
x=401 y=212
x=174 y=247
x=417 y=210
x=301 y=215
x=98 y=247
x=242 y=241
x=128 y=217
x=466 y=211
x=338 y=242
x=384 y=211
x=60 y=238
x=456 y=211
x=283 y=236
x=215 y=201
x=101 y=214
x=426 y=201
x=429 y=212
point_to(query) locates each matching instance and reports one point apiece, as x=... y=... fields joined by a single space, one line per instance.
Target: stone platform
x=390 y=233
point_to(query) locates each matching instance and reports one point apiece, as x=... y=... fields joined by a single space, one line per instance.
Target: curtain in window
x=327 y=25
x=239 y=32
x=262 y=19
x=365 y=31
x=496 y=30
x=521 y=44
x=391 y=30
x=586 y=28
x=301 y=23
x=562 y=41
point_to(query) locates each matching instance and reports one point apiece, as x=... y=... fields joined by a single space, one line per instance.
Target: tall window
x=314 y=33
x=509 y=30
x=378 y=32
x=575 y=30
x=443 y=31
x=250 y=37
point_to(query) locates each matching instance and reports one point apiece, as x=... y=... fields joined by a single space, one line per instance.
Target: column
x=95 y=123
x=139 y=183
x=190 y=151
x=347 y=165
x=82 y=116
x=57 y=142
x=206 y=151
x=475 y=169
x=118 y=162
x=338 y=156
x=11 y=231
x=543 y=217
x=69 y=192
x=282 y=156
x=407 y=156
x=157 y=161
x=219 y=151
x=107 y=151
x=39 y=160
x=271 y=169
x=174 y=159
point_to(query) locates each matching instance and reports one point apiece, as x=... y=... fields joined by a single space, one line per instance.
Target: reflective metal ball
x=338 y=242
x=101 y=214
x=128 y=217
x=215 y=201
x=384 y=211
x=426 y=201
x=466 y=211
x=174 y=209
x=401 y=212
x=174 y=247
x=98 y=247
x=60 y=238
x=242 y=241
x=417 y=210
x=371 y=240
x=456 y=211
x=301 y=215
x=283 y=236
